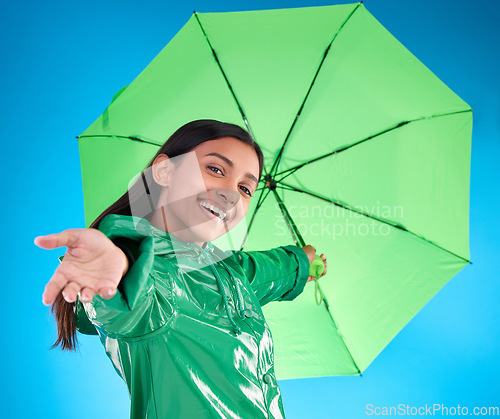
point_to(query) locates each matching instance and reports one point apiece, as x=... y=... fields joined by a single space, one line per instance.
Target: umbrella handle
x=316 y=269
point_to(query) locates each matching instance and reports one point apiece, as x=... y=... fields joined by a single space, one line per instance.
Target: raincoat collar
x=168 y=244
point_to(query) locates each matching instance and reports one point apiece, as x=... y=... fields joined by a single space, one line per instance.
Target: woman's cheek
x=241 y=211
x=208 y=181
x=245 y=204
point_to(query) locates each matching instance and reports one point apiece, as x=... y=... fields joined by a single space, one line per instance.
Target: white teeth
x=221 y=214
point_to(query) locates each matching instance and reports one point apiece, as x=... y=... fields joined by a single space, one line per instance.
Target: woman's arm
x=132 y=307
x=277 y=274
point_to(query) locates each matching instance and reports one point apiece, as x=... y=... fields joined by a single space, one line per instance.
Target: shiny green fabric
x=170 y=336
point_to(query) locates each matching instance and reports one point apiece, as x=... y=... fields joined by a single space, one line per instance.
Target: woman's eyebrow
x=230 y=163
x=220 y=156
x=252 y=177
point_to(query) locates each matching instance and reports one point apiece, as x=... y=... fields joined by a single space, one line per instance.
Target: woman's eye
x=215 y=170
x=246 y=190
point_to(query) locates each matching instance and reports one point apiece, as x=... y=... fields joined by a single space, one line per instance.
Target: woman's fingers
x=86 y=294
x=67 y=238
x=54 y=286
x=324 y=261
x=70 y=291
x=106 y=292
x=64 y=274
x=104 y=288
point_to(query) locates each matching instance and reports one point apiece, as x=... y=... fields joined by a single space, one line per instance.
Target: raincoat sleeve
x=278 y=274
x=142 y=303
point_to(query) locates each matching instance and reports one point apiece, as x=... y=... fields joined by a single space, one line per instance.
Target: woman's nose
x=229 y=196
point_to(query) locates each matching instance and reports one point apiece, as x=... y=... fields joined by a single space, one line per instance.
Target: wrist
x=310 y=251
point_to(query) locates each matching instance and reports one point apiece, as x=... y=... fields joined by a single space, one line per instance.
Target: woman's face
x=207 y=191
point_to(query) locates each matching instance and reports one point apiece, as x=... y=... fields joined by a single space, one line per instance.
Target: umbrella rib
x=243 y=116
x=327 y=306
x=119 y=136
x=292 y=227
x=325 y=53
x=261 y=200
x=393 y=224
x=292 y=170
x=284 y=187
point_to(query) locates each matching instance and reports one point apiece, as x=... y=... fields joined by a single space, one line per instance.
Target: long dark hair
x=185 y=139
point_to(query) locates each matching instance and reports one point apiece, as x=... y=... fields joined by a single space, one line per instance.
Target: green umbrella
x=367 y=157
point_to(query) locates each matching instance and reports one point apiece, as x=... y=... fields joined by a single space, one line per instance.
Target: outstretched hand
x=311 y=254
x=92 y=265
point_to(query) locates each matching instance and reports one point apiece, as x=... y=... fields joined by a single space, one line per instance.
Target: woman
x=180 y=320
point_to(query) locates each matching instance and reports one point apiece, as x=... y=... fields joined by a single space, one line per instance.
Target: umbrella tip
x=194 y=12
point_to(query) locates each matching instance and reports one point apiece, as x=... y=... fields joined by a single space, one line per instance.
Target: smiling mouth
x=214 y=210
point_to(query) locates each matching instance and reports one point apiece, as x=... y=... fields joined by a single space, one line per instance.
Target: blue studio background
x=63 y=61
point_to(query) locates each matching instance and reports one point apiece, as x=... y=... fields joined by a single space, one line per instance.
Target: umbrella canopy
x=366 y=149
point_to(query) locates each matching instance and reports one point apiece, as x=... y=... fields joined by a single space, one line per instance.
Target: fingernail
x=111 y=292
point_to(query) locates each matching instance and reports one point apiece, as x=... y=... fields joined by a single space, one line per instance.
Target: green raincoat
x=185 y=329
